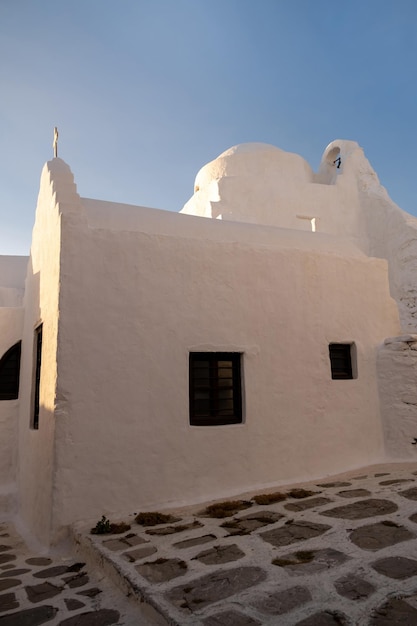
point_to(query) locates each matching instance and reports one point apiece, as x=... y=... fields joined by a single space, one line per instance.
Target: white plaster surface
x=123 y=437
x=36 y=447
x=397 y=371
x=125 y=293
x=393 y=235
x=258 y=183
x=11 y=322
x=12 y=277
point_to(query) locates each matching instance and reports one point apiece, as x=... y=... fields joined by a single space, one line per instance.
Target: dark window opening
x=37 y=376
x=215 y=388
x=341 y=361
x=10 y=373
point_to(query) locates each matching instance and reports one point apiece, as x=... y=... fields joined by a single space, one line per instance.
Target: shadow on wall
x=36 y=443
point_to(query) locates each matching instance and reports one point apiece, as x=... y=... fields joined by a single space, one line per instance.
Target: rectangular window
x=342 y=365
x=215 y=388
x=37 y=376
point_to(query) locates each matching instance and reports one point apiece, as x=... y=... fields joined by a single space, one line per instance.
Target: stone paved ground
x=345 y=553
x=57 y=590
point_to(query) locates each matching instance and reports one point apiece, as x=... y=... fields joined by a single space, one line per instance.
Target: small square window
x=342 y=365
x=215 y=388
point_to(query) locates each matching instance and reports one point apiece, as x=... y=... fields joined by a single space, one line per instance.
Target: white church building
x=262 y=336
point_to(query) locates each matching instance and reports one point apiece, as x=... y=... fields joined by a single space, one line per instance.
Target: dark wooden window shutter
x=215 y=388
x=341 y=361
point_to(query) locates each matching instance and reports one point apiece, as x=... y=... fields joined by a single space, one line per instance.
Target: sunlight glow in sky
x=145 y=92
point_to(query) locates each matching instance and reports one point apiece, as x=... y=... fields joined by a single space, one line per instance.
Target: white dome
x=249 y=147
x=253 y=160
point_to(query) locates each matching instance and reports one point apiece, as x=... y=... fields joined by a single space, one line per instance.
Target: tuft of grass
x=102 y=527
x=226 y=509
x=269 y=498
x=153 y=518
x=302 y=493
x=105 y=527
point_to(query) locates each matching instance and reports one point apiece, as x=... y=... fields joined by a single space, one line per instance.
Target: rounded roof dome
x=249 y=147
x=250 y=159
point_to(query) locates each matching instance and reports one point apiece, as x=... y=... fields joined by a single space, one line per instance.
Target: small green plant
x=103 y=527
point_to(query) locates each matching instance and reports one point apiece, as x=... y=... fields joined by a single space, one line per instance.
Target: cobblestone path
x=62 y=591
x=336 y=552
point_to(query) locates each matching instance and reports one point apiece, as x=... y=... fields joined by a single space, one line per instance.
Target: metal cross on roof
x=55 y=142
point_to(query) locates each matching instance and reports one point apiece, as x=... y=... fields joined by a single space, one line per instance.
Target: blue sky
x=145 y=92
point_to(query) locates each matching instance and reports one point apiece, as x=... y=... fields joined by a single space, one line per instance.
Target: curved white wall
x=261 y=184
x=12 y=278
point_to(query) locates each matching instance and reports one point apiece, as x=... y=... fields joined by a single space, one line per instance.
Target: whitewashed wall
x=397 y=370
x=135 y=300
x=125 y=293
x=12 y=278
x=36 y=447
x=261 y=184
x=348 y=200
